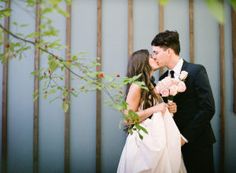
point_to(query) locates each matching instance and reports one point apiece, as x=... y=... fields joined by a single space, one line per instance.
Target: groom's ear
x=170 y=51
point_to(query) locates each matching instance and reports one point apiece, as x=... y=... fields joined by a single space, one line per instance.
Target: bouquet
x=169 y=87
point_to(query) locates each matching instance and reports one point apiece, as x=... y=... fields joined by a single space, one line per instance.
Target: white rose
x=183 y=75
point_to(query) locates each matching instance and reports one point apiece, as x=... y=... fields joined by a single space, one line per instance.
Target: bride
x=160 y=149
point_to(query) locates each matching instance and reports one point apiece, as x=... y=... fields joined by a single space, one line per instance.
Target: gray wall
x=1 y=50
x=83 y=112
x=20 y=105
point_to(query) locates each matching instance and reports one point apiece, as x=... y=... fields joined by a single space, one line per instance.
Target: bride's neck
x=151 y=73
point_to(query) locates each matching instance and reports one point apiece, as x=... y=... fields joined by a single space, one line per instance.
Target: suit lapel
x=184 y=66
x=164 y=75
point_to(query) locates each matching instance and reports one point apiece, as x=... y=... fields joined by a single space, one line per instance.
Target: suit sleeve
x=205 y=106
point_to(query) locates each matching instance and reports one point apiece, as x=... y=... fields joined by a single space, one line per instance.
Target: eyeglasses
x=159 y=51
x=151 y=56
x=154 y=53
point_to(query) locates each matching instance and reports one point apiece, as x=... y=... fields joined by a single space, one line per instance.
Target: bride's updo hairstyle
x=139 y=64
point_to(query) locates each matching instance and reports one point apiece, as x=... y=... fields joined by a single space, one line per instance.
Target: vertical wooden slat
x=233 y=22
x=130 y=27
x=161 y=18
x=191 y=31
x=36 y=89
x=5 y=93
x=68 y=86
x=98 y=93
x=161 y=27
x=222 y=96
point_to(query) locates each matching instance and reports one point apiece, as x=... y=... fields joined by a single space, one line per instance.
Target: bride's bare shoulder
x=134 y=86
x=134 y=89
x=134 y=92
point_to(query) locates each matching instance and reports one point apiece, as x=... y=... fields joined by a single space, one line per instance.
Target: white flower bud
x=183 y=75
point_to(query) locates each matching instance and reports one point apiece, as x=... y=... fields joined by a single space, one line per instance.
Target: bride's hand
x=161 y=107
x=172 y=107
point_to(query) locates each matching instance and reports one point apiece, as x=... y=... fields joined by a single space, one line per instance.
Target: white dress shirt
x=177 y=68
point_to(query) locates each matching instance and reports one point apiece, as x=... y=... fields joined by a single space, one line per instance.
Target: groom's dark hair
x=167 y=39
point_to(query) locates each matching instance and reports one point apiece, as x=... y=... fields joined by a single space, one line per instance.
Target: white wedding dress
x=158 y=152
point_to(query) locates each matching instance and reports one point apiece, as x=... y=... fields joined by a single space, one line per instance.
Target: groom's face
x=160 y=55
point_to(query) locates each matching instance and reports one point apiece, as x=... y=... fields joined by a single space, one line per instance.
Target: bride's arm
x=133 y=101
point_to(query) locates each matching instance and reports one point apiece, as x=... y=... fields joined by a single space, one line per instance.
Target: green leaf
x=33 y=35
x=135 y=80
x=59 y=88
x=55 y=2
x=41 y=78
x=65 y=106
x=118 y=107
x=141 y=85
x=139 y=127
x=68 y=2
x=74 y=58
x=216 y=9
x=130 y=131
x=50 y=32
x=53 y=64
x=35 y=73
x=163 y=2
x=46 y=10
x=22 y=49
x=140 y=136
x=55 y=44
x=74 y=94
x=233 y=3
x=31 y=2
x=124 y=104
x=136 y=77
x=62 y=12
x=24 y=25
x=5 y=12
x=52 y=91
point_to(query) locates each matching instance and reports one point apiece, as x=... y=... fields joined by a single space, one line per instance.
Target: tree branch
x=42 y=49
x=95 y=82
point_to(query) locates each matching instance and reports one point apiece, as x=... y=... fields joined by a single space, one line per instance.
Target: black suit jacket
x=195 y=106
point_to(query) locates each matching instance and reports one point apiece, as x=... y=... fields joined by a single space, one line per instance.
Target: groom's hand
x=172 y=107
x=182 y=141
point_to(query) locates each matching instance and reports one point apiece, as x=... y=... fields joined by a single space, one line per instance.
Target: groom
x=195 y=106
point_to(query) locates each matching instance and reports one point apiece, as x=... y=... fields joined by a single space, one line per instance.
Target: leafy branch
x=80 y=68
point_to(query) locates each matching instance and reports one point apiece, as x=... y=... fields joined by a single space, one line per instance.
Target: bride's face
x=153 y=63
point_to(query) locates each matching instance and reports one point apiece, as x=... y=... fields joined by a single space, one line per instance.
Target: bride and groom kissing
x=180 y=137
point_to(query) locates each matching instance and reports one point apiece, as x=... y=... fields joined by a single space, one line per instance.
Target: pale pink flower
x=167 y=81
x=159 y=87
x=174 y=81
x=181 y=86
x=173 y=90
x=169 y=87
x=164 y=92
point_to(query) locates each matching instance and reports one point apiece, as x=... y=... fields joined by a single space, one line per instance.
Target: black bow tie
x=172 y=72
